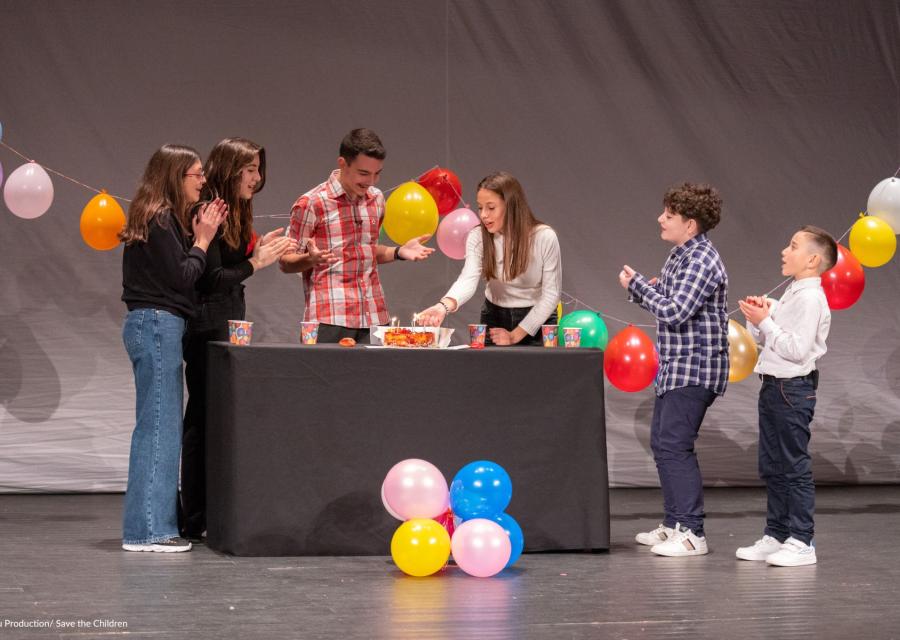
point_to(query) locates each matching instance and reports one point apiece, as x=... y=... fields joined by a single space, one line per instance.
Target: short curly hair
x=699 y=202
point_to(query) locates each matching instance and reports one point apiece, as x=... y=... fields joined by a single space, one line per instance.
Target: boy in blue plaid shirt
x=688 y=301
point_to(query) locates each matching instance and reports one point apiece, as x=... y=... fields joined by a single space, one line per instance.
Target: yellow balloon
x=872 y=241
x=101 y=221
x=410 y=212
x=559 y=309
x=742 y=352
x=420 y=547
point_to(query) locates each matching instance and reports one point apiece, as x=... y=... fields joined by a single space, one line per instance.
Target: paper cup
x=240 y=332
x=572 y=337
x=477 y=333
x=550 y=335
x=309 y=332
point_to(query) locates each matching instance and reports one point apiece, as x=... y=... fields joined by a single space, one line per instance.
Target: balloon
x=420 y=547
x=742 y=352
x=453 y=232
x=101 y=220
x=884 y=202
x=481 y=547
x=481 y=489
x=872 y=241
x=845 y=281
x=415 y=489
x=514 y=531
x=444 y=187
x=594 y=334
x=410 y=212
x=28 y=191
x=448 y=521
x=630 y=360
x=387 y=507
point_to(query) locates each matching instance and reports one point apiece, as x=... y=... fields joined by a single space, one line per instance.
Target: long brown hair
x=223 y=179
x=161 y=188
x=518 y=226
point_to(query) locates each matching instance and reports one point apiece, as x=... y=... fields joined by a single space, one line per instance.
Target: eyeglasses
x=199 y=175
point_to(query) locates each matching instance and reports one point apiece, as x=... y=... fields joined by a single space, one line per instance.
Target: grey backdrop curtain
x=790 y=108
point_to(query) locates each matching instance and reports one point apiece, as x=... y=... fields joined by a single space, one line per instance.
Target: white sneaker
x=682 y=542
x=659 y=534
x=761 y=549
x=172 y=545
x=793 y=553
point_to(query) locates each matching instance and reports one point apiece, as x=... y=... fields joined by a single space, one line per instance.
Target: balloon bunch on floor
x=466 y=519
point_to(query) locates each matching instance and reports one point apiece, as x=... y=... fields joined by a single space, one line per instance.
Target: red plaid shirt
x=347 y=293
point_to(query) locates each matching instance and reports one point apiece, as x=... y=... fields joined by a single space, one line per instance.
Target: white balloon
x=28 y=191
x=884 y=202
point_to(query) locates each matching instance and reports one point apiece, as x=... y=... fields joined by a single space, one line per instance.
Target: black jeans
x=334 y=333
x=677 y=416
x=786 y=408
x=509 y=318
x=211 y=324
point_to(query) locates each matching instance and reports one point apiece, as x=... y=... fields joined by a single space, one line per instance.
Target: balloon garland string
x=62 y=175
x=386 y=191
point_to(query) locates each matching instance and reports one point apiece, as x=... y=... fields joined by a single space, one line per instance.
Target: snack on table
x=402 y=337
x=347 y=342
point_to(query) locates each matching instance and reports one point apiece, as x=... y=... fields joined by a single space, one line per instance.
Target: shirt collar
x=336 y=189
x=697 y=239
x=805 y=283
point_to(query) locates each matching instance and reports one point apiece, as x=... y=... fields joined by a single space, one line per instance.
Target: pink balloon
x=480 y=547
x=453 y=231
x=387 y=507
x=415 y=489
x=28 y=191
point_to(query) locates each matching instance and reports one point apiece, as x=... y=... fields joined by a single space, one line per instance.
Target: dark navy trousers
x=677 y=416
x=786 y=408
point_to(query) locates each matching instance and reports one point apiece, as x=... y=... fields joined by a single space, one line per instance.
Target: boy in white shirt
x=792 y=332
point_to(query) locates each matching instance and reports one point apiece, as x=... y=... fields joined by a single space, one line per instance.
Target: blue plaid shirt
x=689 y=303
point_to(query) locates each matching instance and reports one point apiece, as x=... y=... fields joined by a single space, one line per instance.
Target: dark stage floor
x=61 y=564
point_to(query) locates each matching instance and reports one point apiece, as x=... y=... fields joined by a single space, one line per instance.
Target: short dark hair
x=699 y=202
x=825 y=246
x=362 y=141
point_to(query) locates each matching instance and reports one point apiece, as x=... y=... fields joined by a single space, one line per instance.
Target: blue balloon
x=514 y=531
x=481 y=489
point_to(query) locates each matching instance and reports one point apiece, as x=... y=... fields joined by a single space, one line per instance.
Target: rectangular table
x=299 y=439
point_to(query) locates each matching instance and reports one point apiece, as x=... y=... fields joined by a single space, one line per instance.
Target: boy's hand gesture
x=755 y=308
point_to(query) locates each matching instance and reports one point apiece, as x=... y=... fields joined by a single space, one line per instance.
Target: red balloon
x=630 y=360
x=446 y=521
x=845 y=281
x=444 y=187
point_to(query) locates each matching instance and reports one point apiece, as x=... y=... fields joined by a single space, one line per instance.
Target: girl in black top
x=235 y=171
x=164 y=256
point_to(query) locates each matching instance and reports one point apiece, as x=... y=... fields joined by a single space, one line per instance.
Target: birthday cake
x=404 y=337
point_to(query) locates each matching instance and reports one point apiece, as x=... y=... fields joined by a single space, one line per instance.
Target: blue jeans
x=677 y=415
x=152 y=339
x=786 y=408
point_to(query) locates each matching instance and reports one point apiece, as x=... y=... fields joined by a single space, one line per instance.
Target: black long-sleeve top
x=226 y=267
x=162 y=272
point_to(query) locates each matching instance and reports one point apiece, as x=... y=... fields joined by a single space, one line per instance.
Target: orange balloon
x=742 y=353
x=101 y=221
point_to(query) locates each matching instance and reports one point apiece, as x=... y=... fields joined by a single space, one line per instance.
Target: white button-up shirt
x=793 y=336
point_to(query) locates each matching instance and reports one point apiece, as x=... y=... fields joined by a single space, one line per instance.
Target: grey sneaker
x=659 y=534
x=172 y=545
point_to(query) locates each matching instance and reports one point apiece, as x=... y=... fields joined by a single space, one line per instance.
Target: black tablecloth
x=299 y=439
